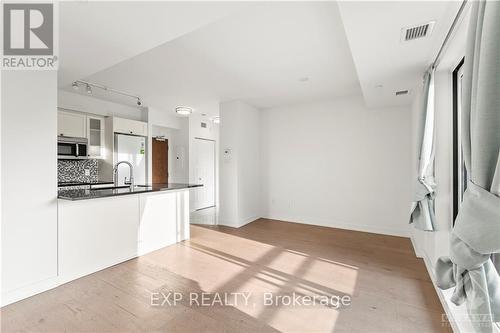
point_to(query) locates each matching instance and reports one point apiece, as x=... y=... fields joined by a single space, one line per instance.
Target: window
x=459 y=171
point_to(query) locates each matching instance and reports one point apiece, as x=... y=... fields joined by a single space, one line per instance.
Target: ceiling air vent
x=416 y=32
x=402 y=92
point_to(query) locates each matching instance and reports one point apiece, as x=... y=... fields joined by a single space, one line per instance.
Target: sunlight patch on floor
x=281 y=273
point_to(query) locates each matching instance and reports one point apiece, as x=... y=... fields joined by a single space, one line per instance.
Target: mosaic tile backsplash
x=74 y=170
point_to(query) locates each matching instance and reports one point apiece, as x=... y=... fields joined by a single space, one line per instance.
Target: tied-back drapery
x=476 y=234
x=422 y=211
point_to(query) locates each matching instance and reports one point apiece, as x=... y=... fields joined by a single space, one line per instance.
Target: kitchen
x=83 y=159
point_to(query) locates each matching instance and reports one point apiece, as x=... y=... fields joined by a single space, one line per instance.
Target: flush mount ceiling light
x=184 y=110
x=216 y=120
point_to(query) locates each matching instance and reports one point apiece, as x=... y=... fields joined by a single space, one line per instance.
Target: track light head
x=75 y=85
x=89 y=89
x=139 y=103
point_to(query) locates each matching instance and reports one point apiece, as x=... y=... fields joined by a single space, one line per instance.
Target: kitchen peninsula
x=102 y=227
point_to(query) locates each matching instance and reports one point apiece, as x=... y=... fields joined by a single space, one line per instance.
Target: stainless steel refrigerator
x=132 y=149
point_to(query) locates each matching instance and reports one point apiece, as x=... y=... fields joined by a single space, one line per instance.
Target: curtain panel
x=475 y=237
x=422 y=211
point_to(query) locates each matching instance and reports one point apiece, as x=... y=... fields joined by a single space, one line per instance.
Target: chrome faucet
x=115 y=174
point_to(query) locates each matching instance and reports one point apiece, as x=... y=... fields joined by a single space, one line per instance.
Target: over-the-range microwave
x=71 y=148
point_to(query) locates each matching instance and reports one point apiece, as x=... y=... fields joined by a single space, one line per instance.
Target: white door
x=204 y=171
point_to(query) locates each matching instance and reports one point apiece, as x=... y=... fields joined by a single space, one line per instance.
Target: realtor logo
x=28 y=36
x=28 y=29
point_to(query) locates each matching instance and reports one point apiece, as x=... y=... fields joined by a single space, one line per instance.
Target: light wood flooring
x=389 y=288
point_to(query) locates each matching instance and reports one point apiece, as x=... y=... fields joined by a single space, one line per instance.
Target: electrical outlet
x=87 y=172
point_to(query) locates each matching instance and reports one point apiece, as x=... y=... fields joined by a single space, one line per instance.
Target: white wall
x=240 y=175
x=337 y=164
x=162 y=118
x=83 y=103
x=29 y=182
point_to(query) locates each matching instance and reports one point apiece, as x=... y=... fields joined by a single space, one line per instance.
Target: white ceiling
x=94 y=35
x=373 y=30
x=256 y=56
x=200 y=54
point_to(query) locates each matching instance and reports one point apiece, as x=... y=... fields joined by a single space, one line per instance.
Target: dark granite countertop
x=83 y=194
x=64 y=184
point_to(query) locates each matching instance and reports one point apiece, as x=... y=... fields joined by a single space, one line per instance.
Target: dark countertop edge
x=67 y=184
x=110 y=195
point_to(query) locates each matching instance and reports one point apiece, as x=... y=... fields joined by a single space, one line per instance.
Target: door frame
x=215 y=171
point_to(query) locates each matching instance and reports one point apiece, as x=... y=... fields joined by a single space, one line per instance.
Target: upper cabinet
x=128 y=126
x=71 y=124
x=95 y=134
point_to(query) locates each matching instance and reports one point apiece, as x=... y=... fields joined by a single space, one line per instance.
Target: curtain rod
x=448 y=35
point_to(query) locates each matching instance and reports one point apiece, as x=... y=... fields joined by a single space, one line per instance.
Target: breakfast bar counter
x=83 y=194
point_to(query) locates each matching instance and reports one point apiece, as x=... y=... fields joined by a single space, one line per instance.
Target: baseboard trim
x=403 y=232
x=418 y=253
x=21 y=293
x=240 y=223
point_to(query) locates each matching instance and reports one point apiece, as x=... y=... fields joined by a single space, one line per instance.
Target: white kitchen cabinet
x=95 y=135
x=71 y=124
x=129 y=126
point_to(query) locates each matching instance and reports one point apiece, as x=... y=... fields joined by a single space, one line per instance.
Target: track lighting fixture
x=89 y=85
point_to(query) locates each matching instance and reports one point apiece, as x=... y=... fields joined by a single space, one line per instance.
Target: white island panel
x=164 y=220
x=95 y=234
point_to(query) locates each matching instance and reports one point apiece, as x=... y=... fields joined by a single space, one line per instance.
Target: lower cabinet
x=98 y=233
